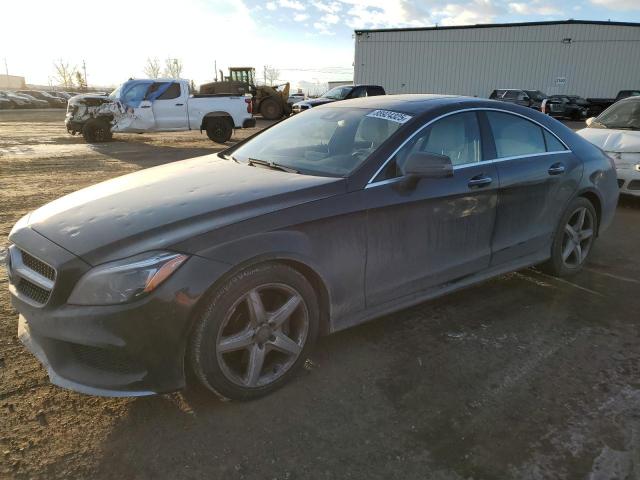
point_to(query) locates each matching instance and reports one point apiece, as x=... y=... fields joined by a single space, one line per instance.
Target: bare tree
x=152 y=68
x=271 y=74
x=65 y=73
x=82 y=86
x=173 y=67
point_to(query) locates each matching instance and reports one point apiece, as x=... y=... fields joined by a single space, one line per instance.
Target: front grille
x=33 y=279
x=620 y=183
x=33 y=291
x=103 y=359
x=634 y=185
x=38 y=266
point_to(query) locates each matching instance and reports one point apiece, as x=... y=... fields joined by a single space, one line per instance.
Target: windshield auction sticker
x=391 y=116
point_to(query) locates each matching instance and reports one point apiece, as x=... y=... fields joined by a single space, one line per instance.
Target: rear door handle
x=179 y=104
x=556 y=169
x=479 y=181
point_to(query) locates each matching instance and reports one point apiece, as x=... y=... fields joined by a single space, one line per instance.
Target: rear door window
x=553 y=144
x=515 y=136
x=172 y=92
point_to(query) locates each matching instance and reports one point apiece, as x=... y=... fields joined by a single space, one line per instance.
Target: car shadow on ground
x=147 y=155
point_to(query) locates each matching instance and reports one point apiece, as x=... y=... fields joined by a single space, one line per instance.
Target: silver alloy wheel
x=578 y=237
x=262 y=335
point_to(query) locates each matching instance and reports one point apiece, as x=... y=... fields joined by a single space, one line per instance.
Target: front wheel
x=97 y=131
x=573 y=239
x=256 y=332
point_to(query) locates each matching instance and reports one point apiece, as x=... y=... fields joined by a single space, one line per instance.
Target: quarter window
x=553 y=144
x=515 y=136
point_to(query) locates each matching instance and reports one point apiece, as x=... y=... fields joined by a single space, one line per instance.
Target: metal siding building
x=591 y=59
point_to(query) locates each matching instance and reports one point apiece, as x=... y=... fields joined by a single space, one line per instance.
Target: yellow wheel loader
x=270 y=101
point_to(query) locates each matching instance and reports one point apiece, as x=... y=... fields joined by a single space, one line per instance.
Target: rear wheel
x=256 y=332
x=573 y=239
x=270 y=109
x=97 y=131
x=219 y=129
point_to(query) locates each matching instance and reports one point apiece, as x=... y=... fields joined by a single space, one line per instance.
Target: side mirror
x=589 y=121
x=427 y=165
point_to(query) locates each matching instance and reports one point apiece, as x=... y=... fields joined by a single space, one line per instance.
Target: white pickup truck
x=163 y=105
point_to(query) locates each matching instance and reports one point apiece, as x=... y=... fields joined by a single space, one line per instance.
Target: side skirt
x=435 y=292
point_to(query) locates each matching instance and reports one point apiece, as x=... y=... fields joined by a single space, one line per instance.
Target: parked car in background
x=598 y=105
x=31 y=102
x=12 y=100
x=617 y=132
x=234 y=263
x=526 y=98
x=296 y=97
x=162 y=105
x=343 y=92
x=53 y=102
x=566 y=106
x=5 y=103
x=61 y=95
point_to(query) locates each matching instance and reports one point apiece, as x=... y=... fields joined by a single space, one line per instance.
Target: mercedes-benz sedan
x=232 y=264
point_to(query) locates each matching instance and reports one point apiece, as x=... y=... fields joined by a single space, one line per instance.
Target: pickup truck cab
x=163 y=105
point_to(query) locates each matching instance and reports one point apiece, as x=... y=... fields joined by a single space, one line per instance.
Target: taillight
x=249 y=105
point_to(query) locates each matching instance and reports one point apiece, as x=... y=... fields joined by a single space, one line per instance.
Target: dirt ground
x=522 y=377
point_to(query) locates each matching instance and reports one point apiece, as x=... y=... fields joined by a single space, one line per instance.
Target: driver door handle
x=556 y=169
x=478 y=181
x=179 y=104
x=145 y=106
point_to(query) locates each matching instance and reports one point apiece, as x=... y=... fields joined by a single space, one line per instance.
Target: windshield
x=337 y=93
x=115 y=94
x=624 y=115
x=325 y=141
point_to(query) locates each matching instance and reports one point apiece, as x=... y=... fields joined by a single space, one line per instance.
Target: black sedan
x=343 y=92
x=234 y=263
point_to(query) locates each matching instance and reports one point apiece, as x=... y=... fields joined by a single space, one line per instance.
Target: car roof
x=409 y=103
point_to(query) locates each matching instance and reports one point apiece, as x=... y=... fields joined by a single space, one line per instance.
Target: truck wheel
x=270 y=109
x=219 y=130
x=97 y=131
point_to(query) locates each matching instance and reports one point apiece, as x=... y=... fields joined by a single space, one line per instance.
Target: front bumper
x=130 y=349
x=629 y=181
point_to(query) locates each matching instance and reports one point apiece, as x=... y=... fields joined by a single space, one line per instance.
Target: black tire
x=228 y=373
x=219 y=129
x=270 y=109
x=561 y=265
x=97 y=131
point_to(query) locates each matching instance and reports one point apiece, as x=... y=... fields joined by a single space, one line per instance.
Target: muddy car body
x=235 y=262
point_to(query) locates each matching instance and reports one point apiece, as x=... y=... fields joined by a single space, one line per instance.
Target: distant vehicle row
x=572 y=107
x=10 y=99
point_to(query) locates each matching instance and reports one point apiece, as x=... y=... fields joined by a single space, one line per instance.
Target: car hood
x=314 y=102
x=90 y=99
x=161 y=206
x=622 y=141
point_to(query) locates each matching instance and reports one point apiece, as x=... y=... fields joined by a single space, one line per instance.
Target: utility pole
x=265 y=74
x=84 y=69
x=215 y=69
x=6 y=68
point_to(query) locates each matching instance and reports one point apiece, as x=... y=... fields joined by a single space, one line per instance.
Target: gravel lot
x=522 y=377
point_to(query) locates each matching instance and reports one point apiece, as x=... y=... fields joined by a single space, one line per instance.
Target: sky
x=309 y=41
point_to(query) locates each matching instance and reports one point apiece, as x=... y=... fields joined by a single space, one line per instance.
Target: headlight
x=125 y=280
x=637 y=167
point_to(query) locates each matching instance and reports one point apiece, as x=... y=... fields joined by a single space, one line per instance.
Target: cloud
x=533 y=8
x=477 y=11
x=328 y=7
x=300 y=17
x=293 y=4
x=271 y=6
x=618 y=4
